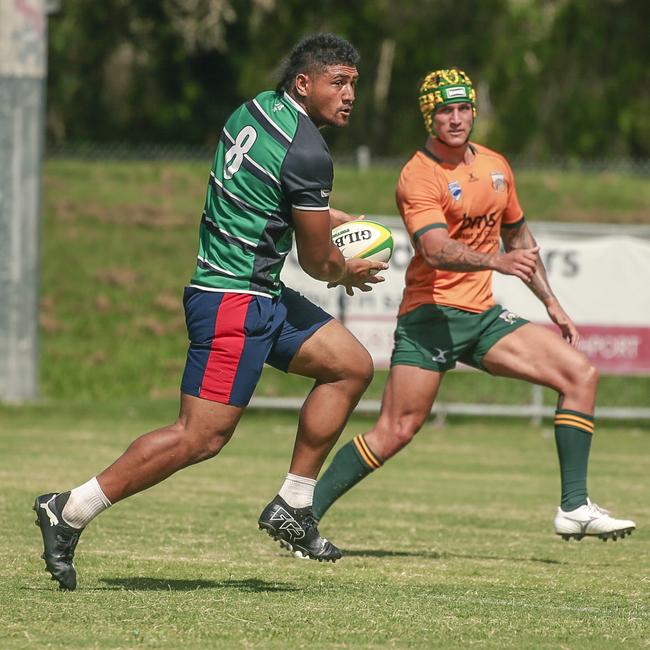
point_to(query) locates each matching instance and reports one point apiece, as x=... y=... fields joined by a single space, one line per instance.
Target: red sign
x=617 y=350
x=614 y=350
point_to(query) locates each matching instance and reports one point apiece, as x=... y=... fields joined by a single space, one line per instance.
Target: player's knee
x=580 y=381
x=215 y=443
x=203 y=444
x=591 y=375
x=392 y=433
x=402 y=432
x=587 y=376
x=365 y=370
x=359 y=368
x=402 y=438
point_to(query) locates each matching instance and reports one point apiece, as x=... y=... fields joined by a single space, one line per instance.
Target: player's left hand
x=561 y=319
x=338 y=217
x=360 y=274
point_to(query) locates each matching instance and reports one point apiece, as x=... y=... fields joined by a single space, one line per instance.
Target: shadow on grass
x=161 y=584
x=434 y=555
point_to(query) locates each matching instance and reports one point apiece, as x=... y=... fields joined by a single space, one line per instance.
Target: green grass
x=590 y=197
x=476 y=387
x=170 y=194
x=449 y=545
x=119 y=243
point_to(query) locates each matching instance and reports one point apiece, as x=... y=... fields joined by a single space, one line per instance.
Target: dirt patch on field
x=143 y=215
x=163 y=393
x=118 y=276
x=102 y=303
x=47 y=319
x=98 y=358
x=168 y=302
x=153 y=326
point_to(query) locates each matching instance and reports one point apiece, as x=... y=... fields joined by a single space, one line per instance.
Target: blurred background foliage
x=566 y=78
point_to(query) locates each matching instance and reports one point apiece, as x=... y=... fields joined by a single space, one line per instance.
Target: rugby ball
x=366 y=239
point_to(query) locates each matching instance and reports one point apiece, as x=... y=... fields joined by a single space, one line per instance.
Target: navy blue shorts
x=232 y=336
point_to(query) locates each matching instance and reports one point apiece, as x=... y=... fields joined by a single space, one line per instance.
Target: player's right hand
x=360 y=274
x=521 y=262
x=561 y=319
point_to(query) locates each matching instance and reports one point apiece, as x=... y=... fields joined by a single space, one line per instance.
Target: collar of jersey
x=431 y=155
x=294 y=103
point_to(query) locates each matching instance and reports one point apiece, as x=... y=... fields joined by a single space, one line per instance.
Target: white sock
x=298 y=491
x=84 y=504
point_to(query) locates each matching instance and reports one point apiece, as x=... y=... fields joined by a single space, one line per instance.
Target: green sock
x=352 y=462
x=573 y=432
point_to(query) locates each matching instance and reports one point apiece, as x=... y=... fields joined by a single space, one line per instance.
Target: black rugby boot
x=295 y=529
x=59 y=539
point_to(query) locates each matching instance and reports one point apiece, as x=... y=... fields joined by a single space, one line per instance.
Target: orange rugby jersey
x=473 y=202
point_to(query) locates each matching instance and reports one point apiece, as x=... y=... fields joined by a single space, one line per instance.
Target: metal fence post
x=536 y=404
x=342 y=305
x=23 y=56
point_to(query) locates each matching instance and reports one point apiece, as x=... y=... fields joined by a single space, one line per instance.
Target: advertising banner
x=603 y=283
x=23 y=44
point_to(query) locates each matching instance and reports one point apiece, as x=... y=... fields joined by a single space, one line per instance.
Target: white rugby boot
x=591 y=520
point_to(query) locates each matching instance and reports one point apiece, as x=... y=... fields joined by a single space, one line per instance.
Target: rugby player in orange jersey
x=457 y=199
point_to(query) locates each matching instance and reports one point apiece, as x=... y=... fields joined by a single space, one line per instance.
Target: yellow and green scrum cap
x=443 y=87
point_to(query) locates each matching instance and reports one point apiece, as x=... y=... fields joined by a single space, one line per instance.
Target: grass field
x=119 y=243
x=449 y=545
x=604 y=197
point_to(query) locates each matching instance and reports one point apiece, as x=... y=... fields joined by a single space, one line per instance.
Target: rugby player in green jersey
x=271 y=177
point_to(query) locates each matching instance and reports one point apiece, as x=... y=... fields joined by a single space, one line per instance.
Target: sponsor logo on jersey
x=325 y=193
x=471 y=178
x=508 y=316
x=278 y=106
x=498 y=181
x=479 y=222
x=457 y=91
x=454 y=190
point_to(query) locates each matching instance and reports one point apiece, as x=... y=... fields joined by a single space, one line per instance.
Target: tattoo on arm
x=521 y=237
x=454 y=256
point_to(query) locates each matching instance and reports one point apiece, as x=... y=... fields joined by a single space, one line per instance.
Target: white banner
x=603 y=283
x=23 y=39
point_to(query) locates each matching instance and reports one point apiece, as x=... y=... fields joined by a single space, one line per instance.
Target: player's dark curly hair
x=313 y=54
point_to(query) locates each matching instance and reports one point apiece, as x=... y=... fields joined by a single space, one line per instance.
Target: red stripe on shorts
x=227 y=346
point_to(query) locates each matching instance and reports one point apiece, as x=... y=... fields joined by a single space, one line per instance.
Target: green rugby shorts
x=436 y=337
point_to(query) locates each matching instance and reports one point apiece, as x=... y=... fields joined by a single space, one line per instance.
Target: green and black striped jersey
x=270 y=158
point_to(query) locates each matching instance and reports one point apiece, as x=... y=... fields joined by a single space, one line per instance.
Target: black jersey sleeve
x=307 y=171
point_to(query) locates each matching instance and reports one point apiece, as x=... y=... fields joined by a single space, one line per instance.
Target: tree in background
x=555 y=77
x=140 y=71
x=573 y=79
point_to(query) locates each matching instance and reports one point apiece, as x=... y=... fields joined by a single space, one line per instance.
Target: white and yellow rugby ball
x=368 y=240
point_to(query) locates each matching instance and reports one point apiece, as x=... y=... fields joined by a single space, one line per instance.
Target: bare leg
x=538 y=355
x=201 y=430
x=408 y=397
x=343 y=370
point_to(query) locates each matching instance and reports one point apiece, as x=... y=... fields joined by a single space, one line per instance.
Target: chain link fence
x=362 y=158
